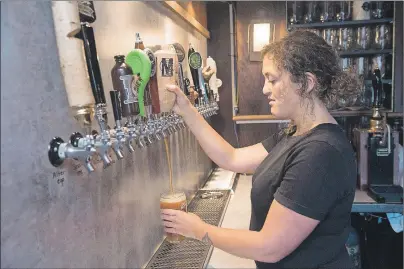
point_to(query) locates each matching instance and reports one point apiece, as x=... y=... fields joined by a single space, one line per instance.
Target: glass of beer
x=177 y=201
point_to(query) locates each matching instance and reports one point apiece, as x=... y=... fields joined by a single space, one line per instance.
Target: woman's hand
x=180 y=222
x=182 y=104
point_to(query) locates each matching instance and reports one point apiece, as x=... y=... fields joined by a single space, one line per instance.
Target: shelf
x=243 y=119
x=357 y=53
x=384 y=81
x=351 y=113
x=340 y=24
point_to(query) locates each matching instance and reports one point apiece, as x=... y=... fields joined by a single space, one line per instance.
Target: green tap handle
x=139 y=62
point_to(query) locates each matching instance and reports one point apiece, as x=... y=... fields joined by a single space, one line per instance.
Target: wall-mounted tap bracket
x=79 y=148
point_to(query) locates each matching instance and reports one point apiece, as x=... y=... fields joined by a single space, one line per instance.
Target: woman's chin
x=279 y=115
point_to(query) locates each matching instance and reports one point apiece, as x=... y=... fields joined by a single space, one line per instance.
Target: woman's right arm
x=240 y=160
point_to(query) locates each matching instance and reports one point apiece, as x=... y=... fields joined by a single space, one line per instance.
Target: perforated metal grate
x=192 y=253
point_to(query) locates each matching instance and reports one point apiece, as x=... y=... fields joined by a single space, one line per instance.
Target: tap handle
x=74 y=139
x=116 y=105
x=377 y=87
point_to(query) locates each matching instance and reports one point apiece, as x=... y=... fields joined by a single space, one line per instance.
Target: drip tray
x=209 y=206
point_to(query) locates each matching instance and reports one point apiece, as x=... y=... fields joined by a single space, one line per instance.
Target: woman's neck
x=309 y=118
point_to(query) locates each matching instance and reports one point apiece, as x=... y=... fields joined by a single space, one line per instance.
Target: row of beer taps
x=139 y=119
x=136 y=132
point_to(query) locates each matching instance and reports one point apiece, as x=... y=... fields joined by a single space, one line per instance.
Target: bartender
x=304 y=176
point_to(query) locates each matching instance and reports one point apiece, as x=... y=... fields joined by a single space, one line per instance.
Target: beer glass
x=177 y=201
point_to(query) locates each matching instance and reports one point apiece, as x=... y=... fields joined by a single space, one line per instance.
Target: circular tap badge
x=195 y=60
x=152 y=59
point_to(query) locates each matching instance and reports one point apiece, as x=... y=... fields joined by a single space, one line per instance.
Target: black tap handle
x=207 y=88
x=377 y=87
x=87 y=36
x=116 y=105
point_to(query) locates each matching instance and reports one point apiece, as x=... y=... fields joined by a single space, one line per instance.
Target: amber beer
x=177 y=201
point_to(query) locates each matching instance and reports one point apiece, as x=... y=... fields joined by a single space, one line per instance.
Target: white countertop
x=237 y=216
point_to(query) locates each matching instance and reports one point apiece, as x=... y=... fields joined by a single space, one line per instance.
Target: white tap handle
x=166 y=72
x=214 y=82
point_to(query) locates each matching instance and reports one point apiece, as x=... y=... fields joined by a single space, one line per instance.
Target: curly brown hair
x=304 y=51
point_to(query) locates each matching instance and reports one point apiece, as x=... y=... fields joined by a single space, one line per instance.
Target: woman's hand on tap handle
x=182 y=104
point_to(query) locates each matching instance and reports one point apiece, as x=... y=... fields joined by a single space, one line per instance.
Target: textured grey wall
x=107 y=219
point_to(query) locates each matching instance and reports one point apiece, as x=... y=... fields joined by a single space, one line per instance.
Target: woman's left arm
x=283 y=232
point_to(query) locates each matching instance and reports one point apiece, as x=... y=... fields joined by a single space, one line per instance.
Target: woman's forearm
x=241 y=243
x=218 y=149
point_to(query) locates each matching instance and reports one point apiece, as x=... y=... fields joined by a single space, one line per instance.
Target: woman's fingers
x=168 y=224
x=168 y=217
x=173 y=88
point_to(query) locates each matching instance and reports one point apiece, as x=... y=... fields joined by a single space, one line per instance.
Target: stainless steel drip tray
x=210 y=206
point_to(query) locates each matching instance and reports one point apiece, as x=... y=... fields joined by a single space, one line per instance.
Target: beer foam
x=173 y=197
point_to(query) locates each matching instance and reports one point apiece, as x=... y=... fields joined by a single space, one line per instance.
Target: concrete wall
x=111 y=217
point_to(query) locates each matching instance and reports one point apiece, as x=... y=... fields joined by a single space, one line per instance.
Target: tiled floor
x=237 y=217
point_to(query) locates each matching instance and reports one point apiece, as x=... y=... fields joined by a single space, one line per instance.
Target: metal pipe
x=233 y=86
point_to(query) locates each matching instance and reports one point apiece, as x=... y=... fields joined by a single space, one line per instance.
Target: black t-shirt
x=313 y=174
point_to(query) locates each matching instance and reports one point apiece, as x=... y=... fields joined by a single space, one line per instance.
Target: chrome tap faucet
x=119 y=132
x=103 y=140
x=80 y=148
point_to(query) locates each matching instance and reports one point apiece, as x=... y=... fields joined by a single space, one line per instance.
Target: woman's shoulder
x=327 y=137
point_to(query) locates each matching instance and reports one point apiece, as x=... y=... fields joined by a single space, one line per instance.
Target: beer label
x=167 y=67
x=195 y=60
x=130 y=95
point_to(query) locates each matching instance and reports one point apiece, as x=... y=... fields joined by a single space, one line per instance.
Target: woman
x=304 y=178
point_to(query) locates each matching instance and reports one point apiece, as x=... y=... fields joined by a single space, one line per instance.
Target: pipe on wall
x=232 y=62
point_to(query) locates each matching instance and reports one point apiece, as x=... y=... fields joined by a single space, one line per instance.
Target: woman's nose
x=266 y=90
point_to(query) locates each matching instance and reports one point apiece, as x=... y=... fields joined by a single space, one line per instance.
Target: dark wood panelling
x=219 y=50
x=196 y=9
x=250 y=79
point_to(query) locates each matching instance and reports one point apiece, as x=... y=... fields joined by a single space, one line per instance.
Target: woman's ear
x=311 y=82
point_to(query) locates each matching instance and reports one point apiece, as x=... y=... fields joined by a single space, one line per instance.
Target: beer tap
x=151 y=100
x=119 y=132
x=195 y=62
x=378 y=124
x=183 y=84
x=81 y=92
x=376 y=121
x=79 y=149
x=138 y=62
x=166 y=73
x=102 y=141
